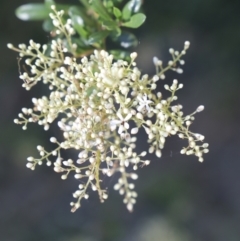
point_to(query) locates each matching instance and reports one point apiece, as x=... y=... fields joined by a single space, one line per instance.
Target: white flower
x=143 y=102
x=98 y=85
x=121 y=122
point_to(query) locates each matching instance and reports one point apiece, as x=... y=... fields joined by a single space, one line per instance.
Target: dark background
x=179 y=199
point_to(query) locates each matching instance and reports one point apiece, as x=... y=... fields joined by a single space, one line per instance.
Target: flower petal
x=120 y=116
x=126 y=125
x=120 y=129
x=129 y=115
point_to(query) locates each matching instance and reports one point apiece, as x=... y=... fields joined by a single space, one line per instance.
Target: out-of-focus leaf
x=109 y=24
x=78 y=25
x=83 y=48
x=117 y=13
x=127 y=40
x=120 y=54
x=115 y=2
x=48 y=25
x=85 y=3
x=135 y=21
x=108 y=4
x=32 y=11
x=100 y=10
x=127 y=11
x=116 y=33
x=78 y=21
x=37 y=11
x=79 y=11
x=49 y=3
x=96 y=38
x=131 y=7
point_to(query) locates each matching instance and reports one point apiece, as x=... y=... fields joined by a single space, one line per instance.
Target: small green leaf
x=135 y=21
x=96 y=38
x=127 y=11
x=100 y=9
x=108 y=4
x=32 y=11
x=117 y=13
x=131 y=7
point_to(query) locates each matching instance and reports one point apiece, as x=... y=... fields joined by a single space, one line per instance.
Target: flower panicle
x=100 y=105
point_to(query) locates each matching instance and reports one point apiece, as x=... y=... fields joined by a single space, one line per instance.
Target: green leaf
x=108 y=4
x=75 y=11
x=32 y=11
x=85 y=3
x=116 y=33
x=120 y=54
x=49 y=3
x=80 y=43
x=100 y=9
x=112 y=2
x=109 y=24
x=135 y=21
x=131 y=7
x=48 y=25
x=79 y=11
x=78 y=25
x=117 y=13
x=78 y=21
x=96 y=38
x=127 y=40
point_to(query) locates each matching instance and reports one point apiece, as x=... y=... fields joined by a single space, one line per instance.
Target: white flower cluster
x=100 y=105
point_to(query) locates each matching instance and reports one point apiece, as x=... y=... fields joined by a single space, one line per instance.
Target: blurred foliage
x=94 y=22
